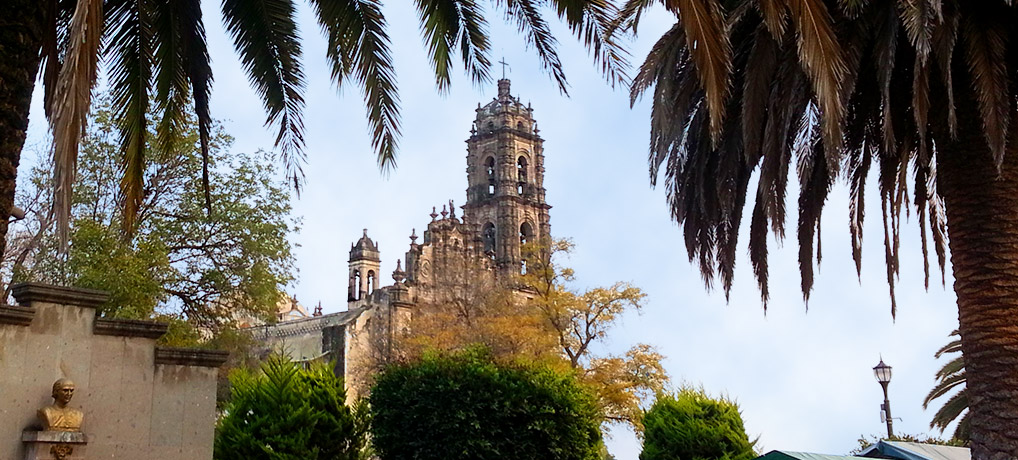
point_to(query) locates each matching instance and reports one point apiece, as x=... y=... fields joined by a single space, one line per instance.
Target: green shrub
x=290 y=413
x=467 y=406
x=693 y=426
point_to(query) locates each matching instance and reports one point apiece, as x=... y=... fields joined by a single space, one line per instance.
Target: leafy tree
x=471 y=406
x=290 y=413
x=158 y=58
x=949 y=377
x=205 y=267
x=833 y=88
x=692 y=425
x=538 y=317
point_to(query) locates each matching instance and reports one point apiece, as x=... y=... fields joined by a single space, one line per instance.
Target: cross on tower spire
x=504 y=64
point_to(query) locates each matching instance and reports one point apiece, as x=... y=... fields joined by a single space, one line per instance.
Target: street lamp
x=883 y=374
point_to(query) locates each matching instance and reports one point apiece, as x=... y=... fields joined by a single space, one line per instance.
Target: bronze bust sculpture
x=59 y=417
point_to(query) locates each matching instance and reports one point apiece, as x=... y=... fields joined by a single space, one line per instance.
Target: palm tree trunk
x=982 y=218
x=21 y=35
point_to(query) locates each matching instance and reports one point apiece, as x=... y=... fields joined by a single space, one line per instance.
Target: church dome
x=364 y=249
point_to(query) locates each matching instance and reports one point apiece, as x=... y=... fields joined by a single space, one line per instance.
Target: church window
x=491 y=126
x=356 y=285
x=526 y=233
x=371 y=282
x=521 y=174
x=526 y=236
x=489 y=167
x=519 y=125
x=488 y=235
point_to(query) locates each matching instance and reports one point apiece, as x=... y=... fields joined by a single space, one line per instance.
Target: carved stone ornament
x=59 y=417
x=61 y=451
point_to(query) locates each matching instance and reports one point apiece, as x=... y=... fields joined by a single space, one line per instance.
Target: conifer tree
x=289 y=413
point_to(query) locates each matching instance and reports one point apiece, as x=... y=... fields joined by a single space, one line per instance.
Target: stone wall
x=140 y=401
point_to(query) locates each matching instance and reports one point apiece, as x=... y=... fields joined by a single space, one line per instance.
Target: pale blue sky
x=803 y=379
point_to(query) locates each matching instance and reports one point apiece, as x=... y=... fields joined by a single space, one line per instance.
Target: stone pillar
x=54 y=445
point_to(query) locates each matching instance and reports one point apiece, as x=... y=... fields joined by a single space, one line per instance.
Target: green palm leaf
x=593 y=22
x=448 y=24
x=131 y=56
x=950 y=377
x=359 y=47
x=195 y=54
x=530 y=22
x=265 y=35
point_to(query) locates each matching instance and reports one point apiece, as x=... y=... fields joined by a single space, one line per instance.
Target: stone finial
x=444 y=212
x=398 y=275
x=318 y=309
x=433 y=214
x=413 y=237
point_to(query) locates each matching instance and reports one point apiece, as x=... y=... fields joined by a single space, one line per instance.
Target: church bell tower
x=505 y=177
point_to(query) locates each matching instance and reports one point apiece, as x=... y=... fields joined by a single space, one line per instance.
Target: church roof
x=364 y=249
x=501 y=103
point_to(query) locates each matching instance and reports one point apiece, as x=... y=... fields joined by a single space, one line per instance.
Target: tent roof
x=918 y=451
x=786 y=455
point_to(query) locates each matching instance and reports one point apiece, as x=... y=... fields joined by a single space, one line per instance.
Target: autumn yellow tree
x=537 y=316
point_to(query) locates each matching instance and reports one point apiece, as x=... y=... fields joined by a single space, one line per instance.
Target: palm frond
x=986 y=41
x=943 y=41
x=71 y=101
x=531 y=23
x=953 y=346
x=919 y=18
x=711 y=53
x=54 y=47
x=359 y=46
x=265 y=35
x=822 y=59
x=756 y=92
x=131 y=56
x=775 y=16
x=629 y=15
x=953 y=367
x=950 y=376
x=668 y=70
x=593 y=22
x=448 y=24
x=950 y=411
x=198 y=68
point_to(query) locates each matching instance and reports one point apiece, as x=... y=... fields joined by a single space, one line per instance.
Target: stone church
x=505 y=208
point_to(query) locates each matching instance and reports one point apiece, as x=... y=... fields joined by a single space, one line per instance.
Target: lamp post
x=883 y=374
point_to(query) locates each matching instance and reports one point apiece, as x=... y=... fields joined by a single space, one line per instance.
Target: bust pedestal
x=54 y=445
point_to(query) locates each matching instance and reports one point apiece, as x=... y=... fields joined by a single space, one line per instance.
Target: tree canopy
x=540 y=317
x=181 y=260
x=691 y=425
x=470 y=405
x=287 y=412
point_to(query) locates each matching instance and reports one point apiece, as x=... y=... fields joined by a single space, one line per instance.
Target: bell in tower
x=505 y=179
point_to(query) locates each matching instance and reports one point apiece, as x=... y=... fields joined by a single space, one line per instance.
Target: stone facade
x=139 y=400
x=505 y=208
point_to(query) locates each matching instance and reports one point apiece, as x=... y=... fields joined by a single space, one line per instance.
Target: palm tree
x=156 y=53
x=923 y=89
x=949 y=377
